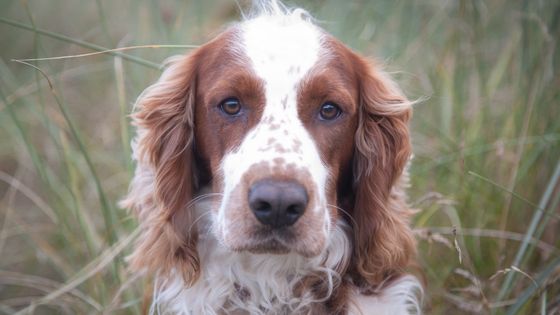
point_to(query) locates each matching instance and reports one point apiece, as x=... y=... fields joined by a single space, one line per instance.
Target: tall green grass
x=485 y=177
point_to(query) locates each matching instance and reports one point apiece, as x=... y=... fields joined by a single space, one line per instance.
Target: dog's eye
x=231 y=106
x=329 y=111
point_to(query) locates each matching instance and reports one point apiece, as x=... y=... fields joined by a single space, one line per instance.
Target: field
x=486 y=134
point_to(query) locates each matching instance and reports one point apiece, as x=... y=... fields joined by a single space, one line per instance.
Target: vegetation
x=485 y=178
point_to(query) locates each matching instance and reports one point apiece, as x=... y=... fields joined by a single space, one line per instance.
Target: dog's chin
x=269 y=247
x=274 y=243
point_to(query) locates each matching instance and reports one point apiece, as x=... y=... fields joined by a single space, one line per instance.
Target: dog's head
x=292 y=132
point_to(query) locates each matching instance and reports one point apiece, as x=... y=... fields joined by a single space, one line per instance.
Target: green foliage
x=486 y=135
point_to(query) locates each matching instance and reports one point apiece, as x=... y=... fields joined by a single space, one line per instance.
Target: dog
x=270 y=177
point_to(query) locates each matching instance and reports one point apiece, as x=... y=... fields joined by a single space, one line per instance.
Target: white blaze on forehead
x=281 y=48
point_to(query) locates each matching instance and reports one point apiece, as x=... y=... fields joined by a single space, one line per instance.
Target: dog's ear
x=383 y=241
x=162 y=188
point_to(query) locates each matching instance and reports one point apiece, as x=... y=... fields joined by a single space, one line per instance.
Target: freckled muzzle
x=275 y=209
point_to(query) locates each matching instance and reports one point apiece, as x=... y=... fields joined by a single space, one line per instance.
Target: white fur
x=399 y=298
x=282 y=48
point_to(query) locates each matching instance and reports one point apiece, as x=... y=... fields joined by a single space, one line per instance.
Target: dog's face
x=291 y=130
x=275 y=118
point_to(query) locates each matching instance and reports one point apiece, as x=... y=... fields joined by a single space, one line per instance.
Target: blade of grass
x=45 y=285
x=8 y=201
x=531 y=100
x=488 y=233
x=47 y=179
x=108 y=214
x=539 y=208
x=6 y=309
x=543 y=303
x=531 y=290
x=537 y=216
x=544 y=140
x=37 y=76
x=85 y=273
x=42 y=245
x=544 y=223
x=27 y=89
x=30 y=194
x=82 y=43
x=108 y=51
x=87 y=230
x=103 y=19
x=39 y=166
x=123 y=120
x=91 y=238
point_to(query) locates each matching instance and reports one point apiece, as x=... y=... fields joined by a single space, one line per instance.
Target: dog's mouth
x=269 y=247
x=275 y=241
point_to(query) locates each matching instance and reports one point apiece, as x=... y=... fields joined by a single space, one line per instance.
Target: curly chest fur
x=243 y=283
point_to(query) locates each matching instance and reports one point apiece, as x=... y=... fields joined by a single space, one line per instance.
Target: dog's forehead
x=282 y=48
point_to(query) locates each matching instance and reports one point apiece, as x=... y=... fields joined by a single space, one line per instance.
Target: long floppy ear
x=164 y=180
x=383 y=241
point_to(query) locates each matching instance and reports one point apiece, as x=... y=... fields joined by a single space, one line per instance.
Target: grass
x=487 y=142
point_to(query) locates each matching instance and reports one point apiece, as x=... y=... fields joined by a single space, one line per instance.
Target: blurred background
x=486 y=136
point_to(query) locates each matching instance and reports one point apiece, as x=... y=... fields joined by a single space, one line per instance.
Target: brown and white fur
x=348 y=251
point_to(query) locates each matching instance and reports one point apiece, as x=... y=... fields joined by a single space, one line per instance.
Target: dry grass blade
x=541 y=278
x=67 y=74
x=27 y=192
x=427 y=232
x=115 y=302
x=45 y=285
x=87 y=272
x=456 y=245
x=106 y=51
x=108 y=214
x=537 y=216
x=80 y=43
x=540 y=208
x=513 y=269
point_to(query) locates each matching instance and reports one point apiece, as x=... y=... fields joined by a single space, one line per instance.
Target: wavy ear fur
x=165 y=177
x=383 y=241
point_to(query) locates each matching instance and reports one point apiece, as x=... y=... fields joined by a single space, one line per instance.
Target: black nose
x=277 y=203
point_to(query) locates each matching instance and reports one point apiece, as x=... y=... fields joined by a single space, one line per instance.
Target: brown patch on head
x=334 y=80
x=225 y=74
x=182 y=137
x=366 y=149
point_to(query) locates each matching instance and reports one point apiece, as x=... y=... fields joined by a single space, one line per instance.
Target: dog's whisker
x=204 y=214
x=203 y=197
x=347 y=214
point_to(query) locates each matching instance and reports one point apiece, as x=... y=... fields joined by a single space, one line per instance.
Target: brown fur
x=174 y=144
x=166 y=115
x=383 y=241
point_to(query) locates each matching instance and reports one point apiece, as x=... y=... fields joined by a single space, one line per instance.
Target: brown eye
x=231 y=106
x=329 y=111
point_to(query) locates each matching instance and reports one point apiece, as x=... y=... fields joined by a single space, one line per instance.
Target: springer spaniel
x=270 y=177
